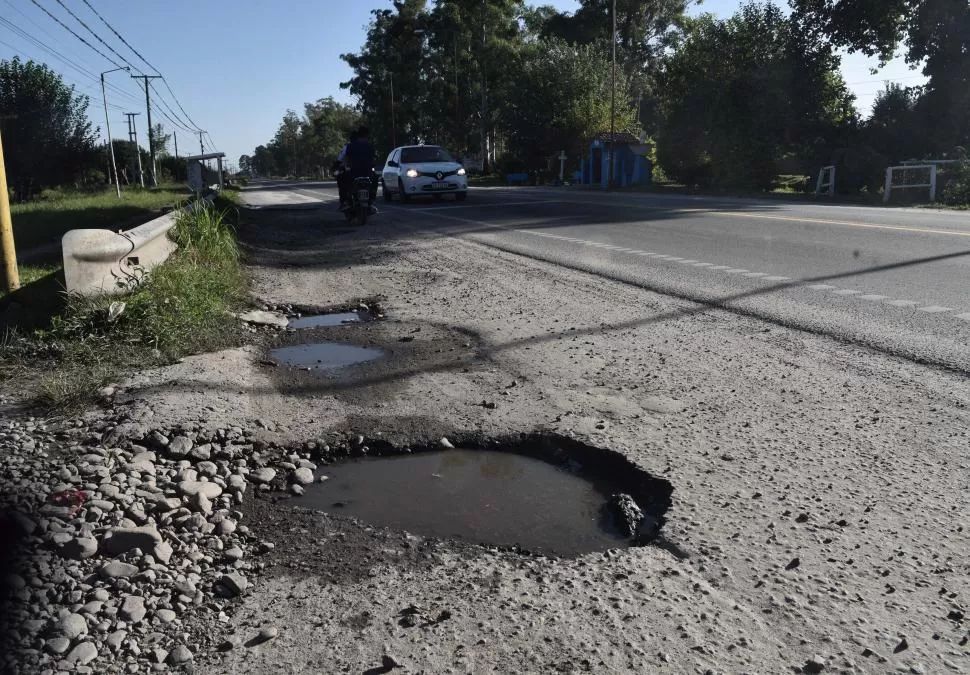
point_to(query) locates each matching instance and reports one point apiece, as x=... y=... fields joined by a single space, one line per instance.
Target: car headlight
x=412 y=173
x=461 y=171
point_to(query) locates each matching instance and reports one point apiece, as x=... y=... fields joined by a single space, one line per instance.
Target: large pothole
x=538 y=493
x=324 y=355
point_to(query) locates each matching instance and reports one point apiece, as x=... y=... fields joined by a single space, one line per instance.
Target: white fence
x=910 y=167
x=823 y=184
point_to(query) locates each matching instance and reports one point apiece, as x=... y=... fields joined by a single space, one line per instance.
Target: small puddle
x=324 y=355
x=325 y=320
x=482 y=496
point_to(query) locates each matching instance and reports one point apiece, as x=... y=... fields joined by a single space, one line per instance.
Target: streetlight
x=107 y=123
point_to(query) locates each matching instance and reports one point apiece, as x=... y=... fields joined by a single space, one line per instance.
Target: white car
x=423 y=170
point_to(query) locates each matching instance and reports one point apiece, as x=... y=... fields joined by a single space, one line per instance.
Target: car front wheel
x=387 y=193
x=405 y=197
x=461 y=196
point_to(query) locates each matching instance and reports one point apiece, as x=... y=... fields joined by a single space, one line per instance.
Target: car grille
x=437 y=174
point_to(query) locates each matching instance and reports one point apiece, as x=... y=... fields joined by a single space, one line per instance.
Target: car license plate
x=439 y=186
x=363 y=195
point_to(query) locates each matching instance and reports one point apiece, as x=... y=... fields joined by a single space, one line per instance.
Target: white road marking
x=761 y=276
x=479 y=206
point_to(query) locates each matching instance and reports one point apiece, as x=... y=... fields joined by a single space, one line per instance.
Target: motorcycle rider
x=343 y=178
x=360 y=159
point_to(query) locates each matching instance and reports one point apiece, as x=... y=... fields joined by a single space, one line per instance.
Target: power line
x=186 y=127
x=191 y=122
x=71 y=61
x=175 y=98
x=98 y=37
x=69 y=30
x=118 y=35
x=56 y=54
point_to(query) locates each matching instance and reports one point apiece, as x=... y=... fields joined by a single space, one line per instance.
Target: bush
x=858 y=168
x=956 y=192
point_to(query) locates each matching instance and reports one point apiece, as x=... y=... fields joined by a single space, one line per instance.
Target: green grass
x=182 y=307
x=32 y=273
x=46 y=219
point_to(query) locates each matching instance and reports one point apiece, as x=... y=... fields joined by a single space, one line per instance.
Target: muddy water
x=324 y=355
x=481 y=496
x=324 y=320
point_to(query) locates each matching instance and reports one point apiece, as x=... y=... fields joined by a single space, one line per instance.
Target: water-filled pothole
x=494 y=497
x=324 y=355
x=327 y=320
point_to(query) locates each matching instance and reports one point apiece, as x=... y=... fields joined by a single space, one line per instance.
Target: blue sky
x=237 y=66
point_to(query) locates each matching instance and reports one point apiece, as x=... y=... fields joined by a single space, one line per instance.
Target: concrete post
x=889 y=185
x=932 y=182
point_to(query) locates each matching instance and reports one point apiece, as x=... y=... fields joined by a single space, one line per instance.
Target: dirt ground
x=819 y=490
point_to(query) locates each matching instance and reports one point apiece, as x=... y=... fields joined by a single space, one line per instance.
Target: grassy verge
x=46 y=219
x=181 y=308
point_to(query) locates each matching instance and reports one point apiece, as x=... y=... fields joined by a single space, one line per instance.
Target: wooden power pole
x=11 y=276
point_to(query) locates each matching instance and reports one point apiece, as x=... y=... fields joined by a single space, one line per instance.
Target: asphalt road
x=891 y=279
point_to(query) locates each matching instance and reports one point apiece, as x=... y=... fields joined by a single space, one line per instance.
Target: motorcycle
x=361 y=200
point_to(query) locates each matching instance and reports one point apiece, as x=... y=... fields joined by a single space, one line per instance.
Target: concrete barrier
x=102 y=262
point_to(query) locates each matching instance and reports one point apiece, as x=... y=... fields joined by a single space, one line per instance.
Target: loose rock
x=123 y=539
x=133 y=609
x=117 y=570
x=180 y=654
x=82 y=654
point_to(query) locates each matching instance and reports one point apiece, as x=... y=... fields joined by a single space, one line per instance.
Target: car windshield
x=427 y=153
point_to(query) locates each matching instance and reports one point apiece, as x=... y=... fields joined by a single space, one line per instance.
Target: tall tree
x=48 y=139
x=936 y=33
x=573 y=84
x=740 y=94
x=160 y=139
x=389 y=79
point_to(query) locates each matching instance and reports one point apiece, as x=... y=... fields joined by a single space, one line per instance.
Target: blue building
x=630 y=164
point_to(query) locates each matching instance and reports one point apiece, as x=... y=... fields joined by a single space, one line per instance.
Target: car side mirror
x=393 y=164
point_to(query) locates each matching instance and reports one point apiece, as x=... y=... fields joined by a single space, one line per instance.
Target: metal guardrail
x=102 y=262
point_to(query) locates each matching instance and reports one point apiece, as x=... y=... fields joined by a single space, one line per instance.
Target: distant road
x=897 y=280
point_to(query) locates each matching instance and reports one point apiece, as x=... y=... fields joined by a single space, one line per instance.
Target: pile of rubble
x=123 y=547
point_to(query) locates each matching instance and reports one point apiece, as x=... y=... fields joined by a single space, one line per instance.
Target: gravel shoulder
x=818 y=488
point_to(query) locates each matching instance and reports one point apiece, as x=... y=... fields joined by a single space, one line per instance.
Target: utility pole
x=107 y=124
x=481 y=64
x=133 y=139
x=151 y=137
x=201 y=146
x=11 y=275
x=612 y=180
x=175 y=137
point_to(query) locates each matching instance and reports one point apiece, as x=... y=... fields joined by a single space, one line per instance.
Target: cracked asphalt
x=816 y=442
